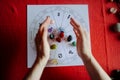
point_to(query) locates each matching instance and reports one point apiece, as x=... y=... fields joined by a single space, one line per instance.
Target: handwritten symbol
x=60 y=55
x=68 y=17
x=70 y=52
x=58 y=14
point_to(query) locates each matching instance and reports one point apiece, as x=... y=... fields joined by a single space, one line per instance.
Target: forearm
x=94 y=69
x=37 y=69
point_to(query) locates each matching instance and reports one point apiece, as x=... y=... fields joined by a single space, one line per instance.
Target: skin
x=43 y=52
x=83 y=48
x=84 y=51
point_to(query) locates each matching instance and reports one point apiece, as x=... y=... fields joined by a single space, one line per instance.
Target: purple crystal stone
x=50 y=29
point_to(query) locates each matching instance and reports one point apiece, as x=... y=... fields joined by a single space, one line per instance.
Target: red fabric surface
x=112 y=38
x=13 y=43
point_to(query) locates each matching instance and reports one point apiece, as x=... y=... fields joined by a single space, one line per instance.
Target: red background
x=13 y=43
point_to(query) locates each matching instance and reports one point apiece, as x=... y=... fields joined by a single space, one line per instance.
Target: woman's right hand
x=84 y=51
x=83 y=40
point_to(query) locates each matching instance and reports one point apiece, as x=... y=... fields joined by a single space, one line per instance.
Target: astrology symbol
x=70 y=52
x=58 y=14
x=68 y=17
x=60 y=55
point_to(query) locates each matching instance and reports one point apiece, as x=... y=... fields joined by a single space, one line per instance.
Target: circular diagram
x=61 y=36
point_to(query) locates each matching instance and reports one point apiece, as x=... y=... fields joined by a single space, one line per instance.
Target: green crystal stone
x=74 y=43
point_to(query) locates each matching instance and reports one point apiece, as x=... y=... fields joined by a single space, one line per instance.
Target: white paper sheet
x=65 y=54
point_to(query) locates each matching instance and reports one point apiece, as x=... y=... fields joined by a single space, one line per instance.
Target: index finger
x=77 y=27
x=45 y=24
x=74 y=23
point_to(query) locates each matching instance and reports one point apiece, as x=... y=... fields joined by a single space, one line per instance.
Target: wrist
x=87 y=57
x=42 y=60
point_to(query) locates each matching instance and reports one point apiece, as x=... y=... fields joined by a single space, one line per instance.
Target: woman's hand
x=84 y=51
x=43 y=52
x=42 y=45
x=83 y=40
